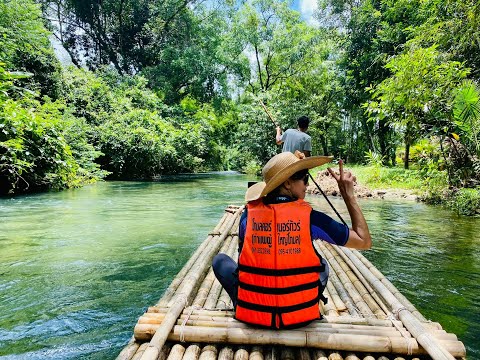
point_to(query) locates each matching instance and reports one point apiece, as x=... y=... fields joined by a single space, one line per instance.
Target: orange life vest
x=279 y=269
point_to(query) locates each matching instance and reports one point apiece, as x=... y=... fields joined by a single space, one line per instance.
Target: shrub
x=466 y=201
x=34 y=151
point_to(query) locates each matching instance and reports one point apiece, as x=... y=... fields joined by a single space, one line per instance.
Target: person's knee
x=218 y=260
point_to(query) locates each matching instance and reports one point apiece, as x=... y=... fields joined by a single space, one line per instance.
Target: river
x=78 y=267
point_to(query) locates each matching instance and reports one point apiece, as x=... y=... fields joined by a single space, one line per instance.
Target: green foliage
x=466 y=201
x=374 y=159
x=388 y=177
x=34 y=152
x=24 y=46
x=252 y=168
x=466 y=112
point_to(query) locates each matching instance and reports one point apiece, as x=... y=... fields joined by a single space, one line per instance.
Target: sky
x=306 y=8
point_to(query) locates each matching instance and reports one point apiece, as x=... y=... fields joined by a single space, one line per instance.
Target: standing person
x=280 y=277
x=296 y=139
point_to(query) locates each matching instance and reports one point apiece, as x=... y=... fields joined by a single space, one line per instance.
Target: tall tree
x=278 y=44
x=24 y=46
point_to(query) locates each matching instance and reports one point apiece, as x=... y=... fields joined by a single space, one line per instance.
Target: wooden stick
x=268 y=113
x=184 y=293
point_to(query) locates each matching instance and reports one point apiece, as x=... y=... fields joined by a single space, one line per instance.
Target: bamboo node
x=396 y=312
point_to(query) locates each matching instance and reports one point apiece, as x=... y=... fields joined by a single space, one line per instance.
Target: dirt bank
x=329 y=186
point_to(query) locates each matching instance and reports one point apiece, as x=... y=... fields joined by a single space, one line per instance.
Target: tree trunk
x=407 y=153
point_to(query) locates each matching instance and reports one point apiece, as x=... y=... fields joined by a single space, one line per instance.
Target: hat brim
x=261 y=189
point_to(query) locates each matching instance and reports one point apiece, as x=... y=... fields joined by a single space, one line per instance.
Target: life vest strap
x=279 y=291
x=277 y=309
x=281 y=272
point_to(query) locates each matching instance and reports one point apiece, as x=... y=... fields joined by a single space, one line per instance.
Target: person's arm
x=359 y=237
x=278 y=138
x=307 y=147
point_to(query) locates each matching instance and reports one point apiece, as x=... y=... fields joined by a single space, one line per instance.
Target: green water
x=77 y=268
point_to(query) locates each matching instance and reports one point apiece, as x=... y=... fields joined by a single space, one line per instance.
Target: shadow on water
x=80 y=266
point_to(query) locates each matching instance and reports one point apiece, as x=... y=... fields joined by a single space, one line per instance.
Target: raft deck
x=366 y=317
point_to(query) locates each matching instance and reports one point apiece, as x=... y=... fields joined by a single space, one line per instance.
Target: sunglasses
x=301 y=176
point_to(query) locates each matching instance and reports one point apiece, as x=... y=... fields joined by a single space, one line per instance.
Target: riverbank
x=329 y=186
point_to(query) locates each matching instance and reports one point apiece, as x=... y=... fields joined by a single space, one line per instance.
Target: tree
x=418 y=96
x=278 y=44
x=25 y=47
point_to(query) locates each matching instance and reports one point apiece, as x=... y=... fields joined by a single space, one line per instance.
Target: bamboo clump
x=365 y=318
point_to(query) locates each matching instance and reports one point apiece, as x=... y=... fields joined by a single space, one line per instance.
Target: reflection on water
x=80 y=266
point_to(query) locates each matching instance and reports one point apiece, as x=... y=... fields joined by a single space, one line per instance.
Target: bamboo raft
x=366 y=316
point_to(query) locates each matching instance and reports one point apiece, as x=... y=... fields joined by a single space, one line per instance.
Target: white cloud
x=307 y=9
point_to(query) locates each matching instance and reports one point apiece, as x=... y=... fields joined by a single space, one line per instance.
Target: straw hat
x=279 y=168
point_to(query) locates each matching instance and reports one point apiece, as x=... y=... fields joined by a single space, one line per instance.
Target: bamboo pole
x=351 y=356
x=177 y=352
x=203 y=262
x=361 y=278
x=346 y=342
x=192 y=352
x=287 y=353
x=209 y=352
x=206 y=285
x=359 y=303
x=413 y=325
x=216 y=288
x=151 y=323
x=218 y=315
x=352 y=275
x=167 y=296
x=335 y=356
x=184 y=293
x=256 y=353
x=129 y=350
x=144 y=331
x=328 y=309
x=303 y=354
x=337 y=302
x=405 y=302
x=241 y=354
x=140 y=351
x=333 y=278
x=319 y=355
x=226 y=353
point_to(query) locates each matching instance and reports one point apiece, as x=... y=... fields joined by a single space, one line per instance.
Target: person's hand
x=279 y=129
x=345 y=181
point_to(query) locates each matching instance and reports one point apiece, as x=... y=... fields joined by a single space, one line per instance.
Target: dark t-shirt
x=322 y=226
